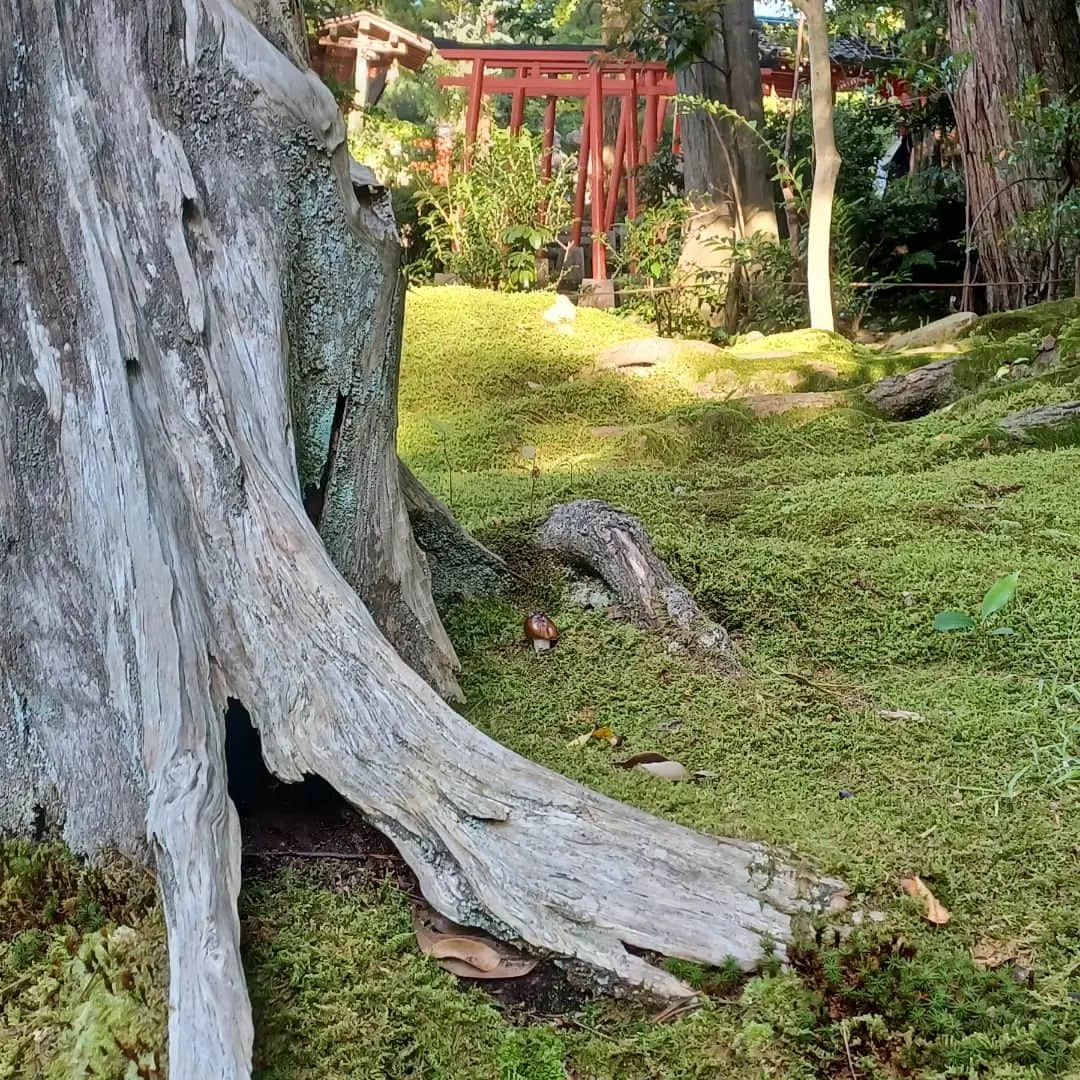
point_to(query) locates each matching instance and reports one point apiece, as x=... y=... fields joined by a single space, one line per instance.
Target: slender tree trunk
x=199 y=326
x=726 y=172
x=1004 y=44
x=787 y=185
x=826 y=166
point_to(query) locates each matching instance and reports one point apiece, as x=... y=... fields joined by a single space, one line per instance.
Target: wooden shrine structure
x=360 y=49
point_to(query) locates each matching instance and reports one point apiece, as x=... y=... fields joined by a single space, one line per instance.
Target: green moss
x=828 y=544
x=82 y=968
x=1041 y=319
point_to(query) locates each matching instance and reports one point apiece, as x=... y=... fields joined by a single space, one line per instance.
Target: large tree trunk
x=1005 y=43
x=199 y=328
x=826 y=166
x=726 y=172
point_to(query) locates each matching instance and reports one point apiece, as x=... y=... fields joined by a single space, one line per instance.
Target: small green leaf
x=999 y=594
x=1002 y=631
x=953 y=620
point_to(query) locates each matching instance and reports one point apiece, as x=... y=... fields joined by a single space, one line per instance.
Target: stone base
x=597 y=293
x=571 y=267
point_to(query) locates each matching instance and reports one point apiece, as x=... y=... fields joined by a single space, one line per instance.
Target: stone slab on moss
x=940 y=332
x=640 y=355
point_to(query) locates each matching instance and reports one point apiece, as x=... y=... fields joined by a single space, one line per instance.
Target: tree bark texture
x=199 y=324
x=460 y=565
x=917 y=392
x=826 y=166
x=725 y=169
x=1003 y=44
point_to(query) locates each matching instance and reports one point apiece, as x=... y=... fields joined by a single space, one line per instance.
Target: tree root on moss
x=1028 y=422
x=615 y=546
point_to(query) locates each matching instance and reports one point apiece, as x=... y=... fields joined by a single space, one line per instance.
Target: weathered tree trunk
x=826 y=166
x=198 y=328
x=725 y=169
x=1005 y=43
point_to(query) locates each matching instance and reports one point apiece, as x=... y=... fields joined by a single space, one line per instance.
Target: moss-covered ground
x=860 y=738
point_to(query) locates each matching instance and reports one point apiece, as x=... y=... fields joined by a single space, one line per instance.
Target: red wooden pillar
x=517 y=102
x=596 y=146
x=472 y=116
x=650 y=115
x=549 y=137
x=582 y=177
x=661 y=117
x=633 y=148
x=617 y=167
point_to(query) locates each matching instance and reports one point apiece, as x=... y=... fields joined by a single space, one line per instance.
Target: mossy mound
x=1042 y=319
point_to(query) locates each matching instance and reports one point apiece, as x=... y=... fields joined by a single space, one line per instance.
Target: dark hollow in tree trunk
x=199 y=325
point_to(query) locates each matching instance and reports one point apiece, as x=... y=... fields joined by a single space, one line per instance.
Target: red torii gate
x=587 y=72
x=569 y=71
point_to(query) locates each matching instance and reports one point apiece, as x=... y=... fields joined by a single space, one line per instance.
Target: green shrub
x=489 y=223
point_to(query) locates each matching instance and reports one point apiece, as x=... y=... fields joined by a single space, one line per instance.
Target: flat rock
x=779 y=404
x=640 y=355
x=939 y=332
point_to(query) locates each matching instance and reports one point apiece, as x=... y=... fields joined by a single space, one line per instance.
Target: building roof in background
x=377 y=38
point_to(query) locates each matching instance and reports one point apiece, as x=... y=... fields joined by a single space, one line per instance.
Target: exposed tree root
x=1028 y=422
x=615 y=546
x=917 y=392
x=460 y=565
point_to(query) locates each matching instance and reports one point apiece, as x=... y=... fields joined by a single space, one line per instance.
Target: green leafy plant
x=490 y=223
x=997 y=596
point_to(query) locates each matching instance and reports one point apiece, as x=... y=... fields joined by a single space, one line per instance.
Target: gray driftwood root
x=197 y=331
x=1028 y=422
x=615 y=546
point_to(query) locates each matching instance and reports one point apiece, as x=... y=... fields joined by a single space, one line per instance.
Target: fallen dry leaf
x=666 y=770
x=471 y=950
x=990 y=954
x=601 y=734
x=899 y=714
x=507 y=969
x=936 y=912
x=648 y=757
x=466 y=952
